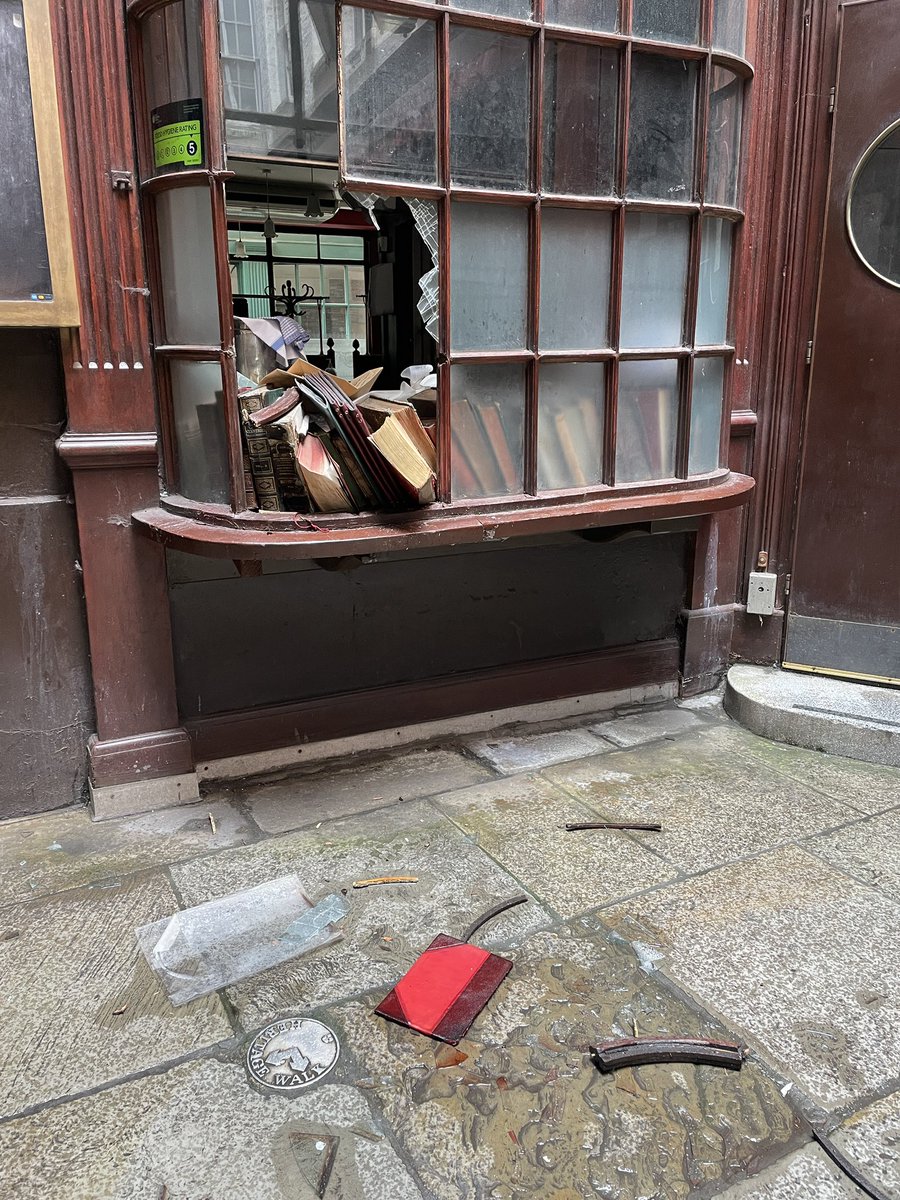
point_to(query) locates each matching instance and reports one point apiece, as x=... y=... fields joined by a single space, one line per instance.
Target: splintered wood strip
x=361 y=883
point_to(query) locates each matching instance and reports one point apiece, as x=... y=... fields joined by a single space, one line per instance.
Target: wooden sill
x=257 y=536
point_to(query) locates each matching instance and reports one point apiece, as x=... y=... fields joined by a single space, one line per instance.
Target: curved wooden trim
x=305 y=538
x=104 y=451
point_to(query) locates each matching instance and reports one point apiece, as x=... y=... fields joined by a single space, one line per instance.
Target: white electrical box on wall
x=761 y=594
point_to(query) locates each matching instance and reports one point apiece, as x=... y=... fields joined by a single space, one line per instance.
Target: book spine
x=262 y=469
x=249 y=488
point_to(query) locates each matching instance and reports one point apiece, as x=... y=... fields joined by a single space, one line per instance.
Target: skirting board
x=246 y=743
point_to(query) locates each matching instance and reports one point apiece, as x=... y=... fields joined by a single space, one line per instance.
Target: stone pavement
x=767 y=911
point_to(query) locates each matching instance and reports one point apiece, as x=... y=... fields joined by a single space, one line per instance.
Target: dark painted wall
x=45 y=705
x=299 y=633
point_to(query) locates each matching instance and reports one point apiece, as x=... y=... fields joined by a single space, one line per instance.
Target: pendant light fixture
x=240 y=250
x=268 y=224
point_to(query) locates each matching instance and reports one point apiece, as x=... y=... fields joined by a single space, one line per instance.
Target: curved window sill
x=217 y=533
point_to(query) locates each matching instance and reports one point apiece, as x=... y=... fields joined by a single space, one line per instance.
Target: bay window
x=583 y=159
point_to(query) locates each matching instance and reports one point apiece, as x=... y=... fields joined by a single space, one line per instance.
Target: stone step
x=855 y=720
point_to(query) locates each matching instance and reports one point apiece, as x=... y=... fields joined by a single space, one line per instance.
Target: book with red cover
x=445 y=989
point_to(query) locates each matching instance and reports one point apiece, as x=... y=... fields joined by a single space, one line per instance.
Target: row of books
x=317 y=443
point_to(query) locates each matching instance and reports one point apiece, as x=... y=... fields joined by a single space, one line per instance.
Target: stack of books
x=317 y=443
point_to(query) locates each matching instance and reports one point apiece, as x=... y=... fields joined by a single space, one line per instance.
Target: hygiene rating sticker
x=178 y=134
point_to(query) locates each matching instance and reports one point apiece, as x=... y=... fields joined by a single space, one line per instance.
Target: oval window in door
x=873 y=209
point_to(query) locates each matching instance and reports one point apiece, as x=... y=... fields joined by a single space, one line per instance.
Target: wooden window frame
x=63 y=310
x=200 y=526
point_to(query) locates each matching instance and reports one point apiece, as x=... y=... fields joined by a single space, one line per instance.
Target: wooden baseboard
x=255 y=730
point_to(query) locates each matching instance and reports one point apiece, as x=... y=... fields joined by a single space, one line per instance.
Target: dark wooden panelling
x=288 y=637
x=32 y=414
x=434 y=699
x=45 y=705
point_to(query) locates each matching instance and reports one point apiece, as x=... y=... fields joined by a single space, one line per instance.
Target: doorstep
x=854 y=720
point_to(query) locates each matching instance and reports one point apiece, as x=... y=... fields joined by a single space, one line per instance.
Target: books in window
x=486 y=448
x=311 y=448
x=570 y=443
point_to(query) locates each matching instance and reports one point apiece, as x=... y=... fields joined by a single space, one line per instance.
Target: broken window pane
x=488 y=277
x=723 y=154
x=647 y=425
x=715 y=282
x=487 y=417
x=490 y=91
x=390 y=99
x=653 y=280
x=575 y=270
x=570 y=425
x=583 y=14
x=661 y=136
x=706 y=415
x=581 y=98
x=667 y=20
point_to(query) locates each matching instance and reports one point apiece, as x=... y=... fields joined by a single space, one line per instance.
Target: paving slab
x=806 y=1175
x=80 y=1005
x=330 y=791
x=709 y=703
x=796 y=954
x=523 y=1112
x=199 y=1131
x=66 y=849
x=869 y=787
x=871 y=1139
x=639 y=728
x=521 y=823
x=715 y=806
x=867 y=849
x=388 y=925
x=531 y=751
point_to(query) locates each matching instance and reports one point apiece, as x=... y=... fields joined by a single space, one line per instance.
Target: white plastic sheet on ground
x=200 y=949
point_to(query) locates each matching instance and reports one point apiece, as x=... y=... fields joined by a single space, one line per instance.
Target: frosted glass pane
x=715 y=281
x=198 y=408
x=490 y=87
x=667 y=20
x=570 y=425
x=187 y=267
x=488 y=277
x=390 y=101
x=726 y=102
x=653 y=280
x=575 y=269
x=647 y=425
x=501 y=8
x=487 y=419
x=706 y=415
x=581 y=100
x=730 y=25
x=661 y=136
x=583 y=14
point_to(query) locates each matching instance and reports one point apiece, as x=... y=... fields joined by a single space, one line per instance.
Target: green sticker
x=178 y=134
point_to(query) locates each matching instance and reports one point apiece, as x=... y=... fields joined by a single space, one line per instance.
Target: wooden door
x=844 y=604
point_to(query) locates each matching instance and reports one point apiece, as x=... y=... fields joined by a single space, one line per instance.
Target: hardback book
x=249 y=488
x=477 y=449
x=403 y=447
x=491 y=415
x=324 y=485
x=270 y=413
x=262 y=468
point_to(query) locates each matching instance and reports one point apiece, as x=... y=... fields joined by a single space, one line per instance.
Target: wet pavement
x=766 y=912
